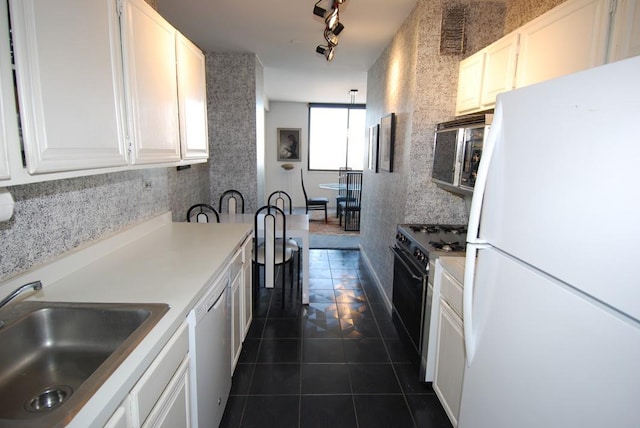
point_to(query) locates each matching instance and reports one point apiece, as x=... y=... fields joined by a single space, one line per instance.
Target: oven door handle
x=399 y=256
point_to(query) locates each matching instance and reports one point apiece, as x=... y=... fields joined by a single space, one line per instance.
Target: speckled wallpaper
x=53 y=217
x=519 y=12
x=412 y=79
x=231 y=100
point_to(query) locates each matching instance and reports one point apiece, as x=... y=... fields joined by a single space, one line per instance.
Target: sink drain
x=48 y=399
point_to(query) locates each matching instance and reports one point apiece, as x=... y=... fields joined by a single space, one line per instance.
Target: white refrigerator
x=552 y=279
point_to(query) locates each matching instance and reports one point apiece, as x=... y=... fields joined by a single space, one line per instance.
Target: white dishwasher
x=210 y=355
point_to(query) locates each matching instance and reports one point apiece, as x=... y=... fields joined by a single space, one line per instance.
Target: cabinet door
x=6 y=92
x=625 y=35
x=247 y=313
x=118 y=419
x=68 y=72
x=172 y=409
x=569 y=38
x=470 y=83
x=150 y=79
x=447 y=383
x=192 y=99
x=499 y=69
x=148 y=392
x=237 y=328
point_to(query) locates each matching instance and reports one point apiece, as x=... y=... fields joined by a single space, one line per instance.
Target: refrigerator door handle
x=475 y=211
x=467 y=300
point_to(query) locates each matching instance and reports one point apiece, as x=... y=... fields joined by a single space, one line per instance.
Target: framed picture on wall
x=373 y=147
x=387 y=140
x=289 y=144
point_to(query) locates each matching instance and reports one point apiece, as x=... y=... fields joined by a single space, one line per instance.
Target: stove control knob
x=400 y=237
x=419 y=255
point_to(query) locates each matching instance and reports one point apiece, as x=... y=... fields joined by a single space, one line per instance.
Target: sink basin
x=54 y=356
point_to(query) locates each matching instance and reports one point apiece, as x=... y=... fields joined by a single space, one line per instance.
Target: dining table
x=297 y=227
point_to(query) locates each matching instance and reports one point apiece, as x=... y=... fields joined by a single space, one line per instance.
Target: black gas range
x=423 y=241
x=413 y=291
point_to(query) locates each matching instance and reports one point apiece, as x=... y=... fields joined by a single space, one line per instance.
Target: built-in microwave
x=457 y=150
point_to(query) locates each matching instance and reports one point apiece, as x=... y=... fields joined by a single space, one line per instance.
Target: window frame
x=358 y=106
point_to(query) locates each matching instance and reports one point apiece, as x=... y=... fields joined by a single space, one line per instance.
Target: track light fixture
x=327 y=51
x=333 y=27
x=319 y=11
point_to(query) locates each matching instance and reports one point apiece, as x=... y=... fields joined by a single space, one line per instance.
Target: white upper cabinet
x=6 y=96
x=569 y=38
x=485 y=74
x=68 y=75
x=192 y=99
x=470 y=83
x=625 y=34
x=151 y=84
x=499 y=69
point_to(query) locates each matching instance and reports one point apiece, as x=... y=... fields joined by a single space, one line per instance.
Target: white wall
x=292 y=115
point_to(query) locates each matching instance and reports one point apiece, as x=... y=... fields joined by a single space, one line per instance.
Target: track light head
x=327 y=51
x=338 y=29
x=318 y=11
x=330 y=37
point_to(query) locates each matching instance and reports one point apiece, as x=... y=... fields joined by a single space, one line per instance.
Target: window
x=336 y=136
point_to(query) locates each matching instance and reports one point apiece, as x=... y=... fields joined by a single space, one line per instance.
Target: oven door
x=409 y=295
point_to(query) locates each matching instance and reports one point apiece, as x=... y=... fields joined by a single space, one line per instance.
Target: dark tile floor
x=337 y=362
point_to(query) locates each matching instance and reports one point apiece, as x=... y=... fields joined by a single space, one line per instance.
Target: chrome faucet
x=36 y=285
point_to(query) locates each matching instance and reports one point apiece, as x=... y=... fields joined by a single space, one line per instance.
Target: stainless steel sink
x=54 y=356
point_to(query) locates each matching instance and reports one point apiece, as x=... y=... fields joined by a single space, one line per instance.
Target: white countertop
x=173 y=263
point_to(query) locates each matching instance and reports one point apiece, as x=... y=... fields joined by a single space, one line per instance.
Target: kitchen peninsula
x=155 y=262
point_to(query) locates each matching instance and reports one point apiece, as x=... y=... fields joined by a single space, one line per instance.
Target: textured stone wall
x=413 y=80
x=519 y=12
x=53 y=217
x=231 y=101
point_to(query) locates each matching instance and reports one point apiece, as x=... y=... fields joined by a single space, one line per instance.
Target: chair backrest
x=342 y=180
x=353 y=190
x=282 y=200
x=269 y=223
x=201 y=213
x=306 y=198
x=231 y=202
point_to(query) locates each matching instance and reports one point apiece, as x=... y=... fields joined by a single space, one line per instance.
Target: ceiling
x=284 y=35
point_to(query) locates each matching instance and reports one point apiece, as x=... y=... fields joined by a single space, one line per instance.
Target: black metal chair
x=314 y=204
x=200 y=213
x=342 y=187
x=269 y=251
x=282 y=200
x=232 y=201
x=349 y=209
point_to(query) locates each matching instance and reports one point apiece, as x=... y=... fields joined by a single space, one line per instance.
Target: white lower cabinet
x=172 y=409
x=450 y=354
x=161 y=396
x=447 y=383
x=247 y=282
x=241 y=300
x=237 y=328
x=118 y=419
